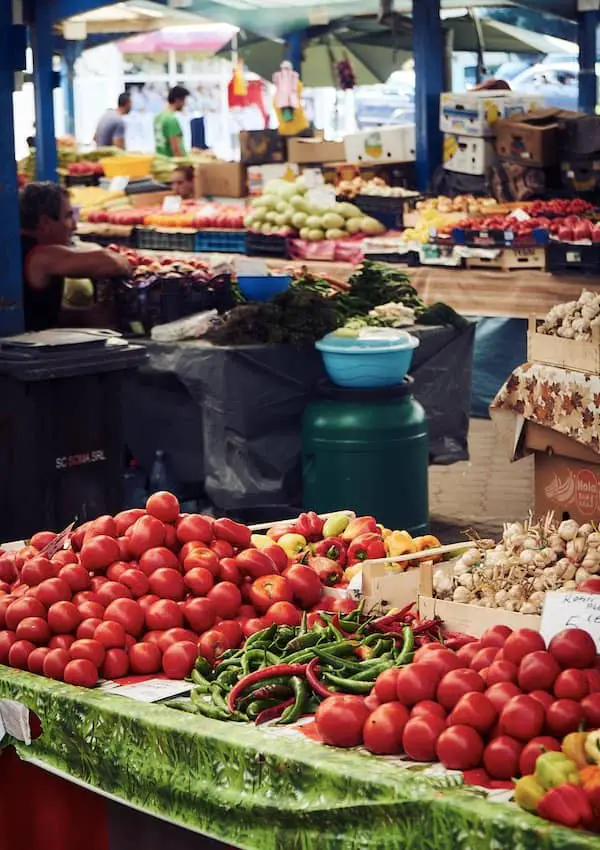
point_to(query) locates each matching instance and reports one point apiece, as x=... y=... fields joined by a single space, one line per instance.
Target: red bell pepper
x=567 y=805
x=328 y=571
x=277 y=531
x=255 y=563
x=366 y=547
x=359 y=526
x=310 y=525
x=333 y=548
x=232 y=532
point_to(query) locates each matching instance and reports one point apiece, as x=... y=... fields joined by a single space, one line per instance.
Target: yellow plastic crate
x=127 y=166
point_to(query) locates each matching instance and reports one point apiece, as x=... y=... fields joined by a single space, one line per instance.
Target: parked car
x=557 y=83
x=390 y=103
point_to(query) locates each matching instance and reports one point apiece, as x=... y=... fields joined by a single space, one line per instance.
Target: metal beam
x=587 y=24
x=11 y=281
x=42 y=44
x=428 y=50
x=72 y=51
x=293 y=44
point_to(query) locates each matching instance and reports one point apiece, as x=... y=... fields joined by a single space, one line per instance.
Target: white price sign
x=571 y=611
x=322 y=197
x=118 y=184
x=151 y=690
x=171 y=204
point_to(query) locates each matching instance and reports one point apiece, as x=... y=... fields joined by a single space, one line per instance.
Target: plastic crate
x=499 y=238
x=565 y=258
x=123 y=165
x=220 y=241
x=259 y=245
x=410 y=258
x=105 y=239
x=158 y=300
x=162 y=240
x=390 y=211
x=82 y=180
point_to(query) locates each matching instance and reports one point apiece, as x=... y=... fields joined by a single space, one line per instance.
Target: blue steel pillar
x=587 y=23
x=294 y=50
x=42 y=42
x=11 y=283
x=428 y=50
x=71 y=53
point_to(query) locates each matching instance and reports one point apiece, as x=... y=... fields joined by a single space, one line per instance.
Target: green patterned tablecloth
x=261 y=791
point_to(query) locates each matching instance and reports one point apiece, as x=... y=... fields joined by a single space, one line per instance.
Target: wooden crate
x=510 y=259
x=469 y=619
x=575 y=354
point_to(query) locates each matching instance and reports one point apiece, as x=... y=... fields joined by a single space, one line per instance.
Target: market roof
x=132 y=16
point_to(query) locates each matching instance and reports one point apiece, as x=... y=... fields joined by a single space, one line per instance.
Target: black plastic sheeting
x=231 y=417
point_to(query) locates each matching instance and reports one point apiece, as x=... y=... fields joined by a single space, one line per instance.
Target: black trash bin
x=61 y=439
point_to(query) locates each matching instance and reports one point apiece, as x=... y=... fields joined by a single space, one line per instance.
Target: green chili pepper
x=371 y=670
x=303 y=623
x=228 y=677
x=201 y=683
x=406 y=653
x=258 y=705
x=302 y=657
x=182 y=705
x=351 y=686
x=302 y=642
x=203 y=667
x=229 y=654
x=209 y=709
x=259 y=637
x=301 y=694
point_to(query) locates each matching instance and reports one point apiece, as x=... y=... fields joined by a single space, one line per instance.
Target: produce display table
x=232 y=416
x=258 y=789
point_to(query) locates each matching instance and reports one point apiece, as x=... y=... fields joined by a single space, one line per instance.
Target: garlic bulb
x=568 y=529
x=461 y=594
x=442 y=583
x=581 y=575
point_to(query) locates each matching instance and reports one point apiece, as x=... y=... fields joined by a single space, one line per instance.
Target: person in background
x=110 y=131
x=47 y=227
x=492 y=85
x=168 y=133
x=182 y=182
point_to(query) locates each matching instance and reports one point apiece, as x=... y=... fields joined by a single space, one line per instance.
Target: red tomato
x=386 y=685
x=146 y=533
x=164 y=614
x=542 y=697
x=372 y=702
x=167 y=583
x=85 y=596
x=232 y=631
x=222 y=549
x=468 y=652
x=42 y=539
x=269 y=589
x=442 y=661
x=537 y=672
x=573 y=648
x=459 y=748
x=199 y=581
x=278 y=556
x=521 y=643
x=5 y=603
x=226 y=598
x=245 y=612
x=475 y=710
x=571 y=684
x=172 y=636
x=284 y=614
x=593 y=677
x=128 y=613
x=178 y=660
x=304 y=582
x=455 y=684
x=116 y=570
x=501 y=757
x=255 y=563
x=416 y=682
x=229 y=571
x=87 y=628
x=78 y=536
x=201 y=558
x=158 y=558
x=112 y=590
x=195 y=527
x=340 y=720
x=18 y=610
x=64 y=557
x=53 y=590
x=124 y=550
x=61 y=641
x=532 y=750
x=91 y=649
x=63 y=617
x=116 y=664
x=7 y=638
x=154 y=636
x=81 y=673
x=200 y=614
x=589 y=585
x=37 y=570
x=99 y=552
x=255 y=624
x=212 y=645
x=484 y=658
x=564 y=716
x=35 y=662
x=420 y=737
x=111 y=635
x=76 y=576
x=19 y=652
x=500 y=671
x=383 y=729
x=423 y=653
x=90 y=609
x=590 y=706
x=144 y=658
x=428 y=707
x=495 y=636
x=102 y=525
x=171 y=541
x=96 y=583
x=522 y=717
x=137 y=582
x=55 y=662
x=125 y=519
x=147 y=600
x=164 y=506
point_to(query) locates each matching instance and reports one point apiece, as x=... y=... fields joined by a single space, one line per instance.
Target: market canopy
x=134 y=16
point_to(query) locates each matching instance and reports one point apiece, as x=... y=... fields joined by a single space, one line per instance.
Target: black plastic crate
x=565 y=258
x=161 y=240
x=82 y=180
x=259 y=245
x=105 y=239
x=409 y=258
x=139 y=306
x=220 y=241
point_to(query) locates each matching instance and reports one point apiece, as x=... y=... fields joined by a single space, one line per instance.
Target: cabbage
x=315 y=234
x=313 y=221
x=298 y=202
x=335 y=233
x=354 y=225
x=348 y=210
x=371 y=226
x=332 y=221
x=299 y=220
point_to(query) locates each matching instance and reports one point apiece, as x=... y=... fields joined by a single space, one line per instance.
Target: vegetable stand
x=258 y=789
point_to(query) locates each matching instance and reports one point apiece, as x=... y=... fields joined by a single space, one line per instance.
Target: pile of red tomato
x=142 y=593
x=491 y=707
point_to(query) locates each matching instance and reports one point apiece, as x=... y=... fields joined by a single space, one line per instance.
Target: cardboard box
x=259 y=147
x=260 y=175
x=581 y=135
x=467 y=154
x=220 y=179
x=314 y=151
x=393 y=173
x=476 y=113
x=386 y=144
x=532 y=139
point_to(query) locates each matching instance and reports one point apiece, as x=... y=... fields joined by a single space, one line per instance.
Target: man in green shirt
x=168 y=134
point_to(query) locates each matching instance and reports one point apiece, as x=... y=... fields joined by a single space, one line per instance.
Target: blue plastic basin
x=367 y=363
x=263 y=288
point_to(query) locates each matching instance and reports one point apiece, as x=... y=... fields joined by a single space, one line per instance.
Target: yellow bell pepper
x=399 y=543
x=592 y=746
x=553 y=769
x=528 y=792
x=573 y=747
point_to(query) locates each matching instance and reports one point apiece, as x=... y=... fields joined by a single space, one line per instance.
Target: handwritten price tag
x=171 y=204
x=571 y=611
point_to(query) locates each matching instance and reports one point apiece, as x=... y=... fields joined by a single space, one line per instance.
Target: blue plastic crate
x=223 y=241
